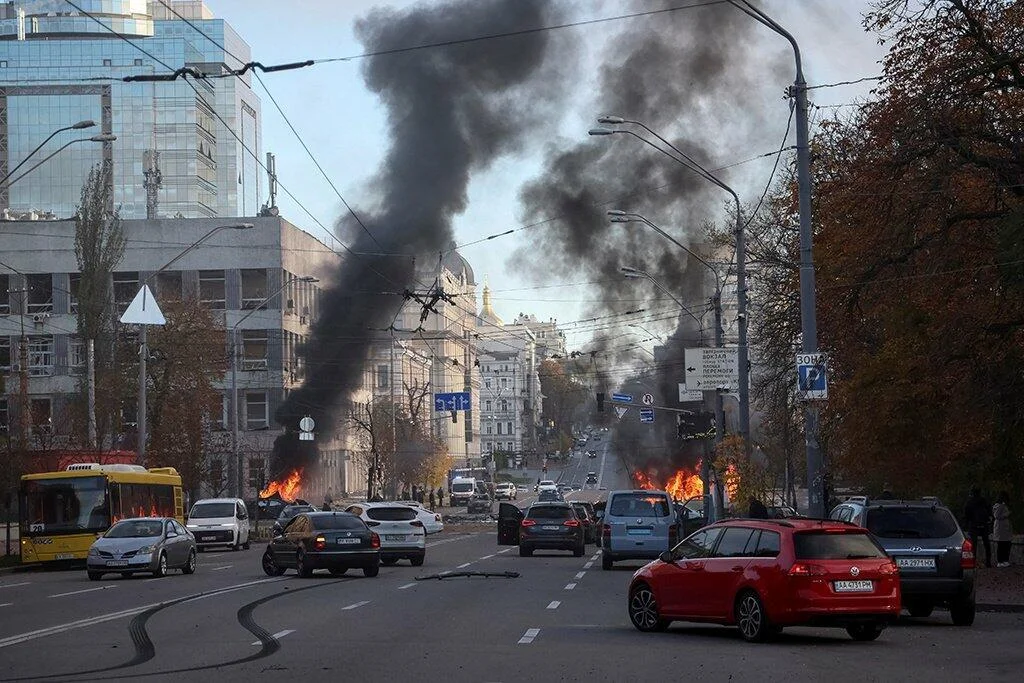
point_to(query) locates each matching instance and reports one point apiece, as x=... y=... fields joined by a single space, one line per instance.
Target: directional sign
x=710 y=369
x=305 y=436
x=306 y=424
x=646 y=415
x=458 y=400
x=811 y=378
x=686 y=396
x=620 y=411
x=648 y=399
x=143 y=309
x=622 y=398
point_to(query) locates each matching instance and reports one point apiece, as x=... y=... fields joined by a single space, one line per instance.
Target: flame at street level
x=680 y=486
x=288 y=488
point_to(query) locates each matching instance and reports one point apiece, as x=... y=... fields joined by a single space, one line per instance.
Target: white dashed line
x=554 y=604
x=217 y=569
x=596 y=555
x=486 y=557
x=506 y=550
x=6 y=604
x=279 y=634
x=570 y=586
x=528 y=637
x=580 y=575
x=356 y=604
x=408 y=585
x=14 y=585
x=463 y=566
x=449 y=540
x=588 y=565
x=84 y=590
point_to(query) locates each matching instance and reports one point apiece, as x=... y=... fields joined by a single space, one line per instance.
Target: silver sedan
x=143 y=544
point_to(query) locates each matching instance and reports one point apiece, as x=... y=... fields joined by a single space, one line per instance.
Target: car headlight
x=94 y=551
x=229 y=525
x=146 y=550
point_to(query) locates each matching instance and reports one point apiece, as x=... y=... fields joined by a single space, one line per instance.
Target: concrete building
x=550 y=339
x=59 y=67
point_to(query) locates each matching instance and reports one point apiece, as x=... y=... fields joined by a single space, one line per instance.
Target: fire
x=682 y=485
x=288 y=488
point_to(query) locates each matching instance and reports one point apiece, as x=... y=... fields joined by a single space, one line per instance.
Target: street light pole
x=105 y=137
x=236 y=457
x=76 y=126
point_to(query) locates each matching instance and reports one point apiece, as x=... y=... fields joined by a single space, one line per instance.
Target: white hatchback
x=506 y=490
x=402 y=534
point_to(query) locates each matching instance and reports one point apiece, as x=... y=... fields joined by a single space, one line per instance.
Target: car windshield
x=212 y=510
x=911 y=522
x=395 y=514
x=639 y=505
x=549 y=512
x=462 y=487
x=336 y=521
x=816 y=545
x=136 y=528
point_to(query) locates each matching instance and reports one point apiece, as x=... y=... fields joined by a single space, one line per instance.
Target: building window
x=211 y=289
x=508 y=426
x=5 y=418
x=5 y=294
x=107 y=62
x=257 y=473
x=42 y=418
x=256 y=414
x=222 y=423
x=490 y=428
x=40 y=293
x=168 y=285
x=254 y=349
x=499 y=428
x=382 y=377
x=126 y=286
x=5 y=354
x=138 y=62
x=504 y=406
x=487 y=405
x=76 y=354
x=40 y=356
x=504 y=383
x=254 y=288
x=487 y=383
x=74 y=282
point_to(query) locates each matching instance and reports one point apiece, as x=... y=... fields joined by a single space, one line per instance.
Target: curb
x=1000 y=607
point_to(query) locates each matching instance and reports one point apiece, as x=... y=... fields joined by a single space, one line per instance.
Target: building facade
x=59 y=67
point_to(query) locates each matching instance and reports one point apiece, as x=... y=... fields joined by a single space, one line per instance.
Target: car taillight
x=319 y=543
x=527 y=522
x=374 y=540
x=373 y=524
x=967 y=555
x=804 y=569
x=889 y=568
x=416 y=522
x=571 y=522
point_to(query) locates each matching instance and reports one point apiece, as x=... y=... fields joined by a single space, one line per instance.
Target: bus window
x=142 y=500
x=64 y=505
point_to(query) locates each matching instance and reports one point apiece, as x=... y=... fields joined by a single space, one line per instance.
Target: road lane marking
x=278 y=635
x=596 y=555
x=588 y=565
x=84 y=590
x=6 y=604
x=446 y=572
x=579 y=575
x=554 y=604
x=15 y=585
x=486 y=557
x=528 y=637
x=506 y=550
x=570 y=586
x=356 y=604
x=408 y=585
x=450 y=540
x=224 y=566
x=463 y=566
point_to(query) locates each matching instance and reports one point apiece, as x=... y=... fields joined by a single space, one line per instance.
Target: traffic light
x=600 y=402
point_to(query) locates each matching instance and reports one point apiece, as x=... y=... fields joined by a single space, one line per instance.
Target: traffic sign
x=646 y=415
x=306 y=424
x=687 y=396
x=622 y=398
x=143 y=310
x=620 y=411
x=811 y=377
x=305 y=436
x=648 y=399
x=458 y=400
x=710 y=369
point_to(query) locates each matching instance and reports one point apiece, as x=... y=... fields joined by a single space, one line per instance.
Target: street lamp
x=636 y=274
x=104 y=137
x=235 y=455
x=75 y=126
x=683 y=159
x=143 y=346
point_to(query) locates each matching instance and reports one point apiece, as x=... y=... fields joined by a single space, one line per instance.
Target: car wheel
x=606 y=562
x=920 y=609
x=865 y=632
x=190 y=563
x=95 y=576
x=200 y=548
x=962 y=611
x=751 y=618
x=417 y=561
x=270 y=567
x=300 y=565
x=245 y=546
x=339 y=571
x=388 y=561
x=643 y=610
x=161 y=566
x=525 y=551
x=371 y=571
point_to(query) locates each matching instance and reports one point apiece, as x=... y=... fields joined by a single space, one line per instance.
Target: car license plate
x=639 y=532
x=915 y=562
x=208 y=538
x=394 y=537
x=117 y=563
x=349 y=541
x=550 y=527
x=854 y=586
x=64 y=556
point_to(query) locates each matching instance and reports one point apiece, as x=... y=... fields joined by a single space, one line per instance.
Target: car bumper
x=214 y=537
x=616 y=555
x=139 y=563
x=551 y=543
x=937 y=587
x=348 y=558
x=402 y=553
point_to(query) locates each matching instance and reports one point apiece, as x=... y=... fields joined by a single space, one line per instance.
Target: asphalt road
x=562 y=619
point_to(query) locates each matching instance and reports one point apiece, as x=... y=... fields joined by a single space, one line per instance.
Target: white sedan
x=431 y=520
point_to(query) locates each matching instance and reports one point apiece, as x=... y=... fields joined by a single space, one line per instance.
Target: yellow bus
x=62 y=513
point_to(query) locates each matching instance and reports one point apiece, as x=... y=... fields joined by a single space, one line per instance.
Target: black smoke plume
x=451 y=112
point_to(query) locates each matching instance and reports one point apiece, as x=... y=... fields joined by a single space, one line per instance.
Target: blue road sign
x=811 y=375
x=647 y=415
x=458 y=400
x=622 y=398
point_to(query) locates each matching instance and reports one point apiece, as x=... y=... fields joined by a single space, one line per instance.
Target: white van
x=463 y=489
x=219 y=522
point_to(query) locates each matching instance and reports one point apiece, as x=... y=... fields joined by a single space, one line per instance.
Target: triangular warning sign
x=620 y=411
x=143 y=310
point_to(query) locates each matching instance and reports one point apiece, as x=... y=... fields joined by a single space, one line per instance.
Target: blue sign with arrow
x=458 y=400
x=622 y=398
x=647 y=415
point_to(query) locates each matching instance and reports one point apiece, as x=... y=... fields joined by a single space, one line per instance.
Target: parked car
x=764 y=575
x=219 y=522
x=505 y=490
x=585 y=511
x=142 y=544
x=935 y=559
x=289 y=512
x=550 y=526
x=402 y=535
x=432 y=522
x=480 y=503
x=336 y=541
x=638 y=525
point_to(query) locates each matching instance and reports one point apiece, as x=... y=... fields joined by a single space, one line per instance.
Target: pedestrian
x=440 y=497
x=1002 y=534
x=757 y=509
x=432 y=499
x=978 y=518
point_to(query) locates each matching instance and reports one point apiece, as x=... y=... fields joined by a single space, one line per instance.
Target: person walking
x=978 y=517
x=1002 y=534
x=432 y=499
x=440 y=497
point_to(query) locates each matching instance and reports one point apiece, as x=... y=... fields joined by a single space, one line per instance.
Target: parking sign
x=811 y=376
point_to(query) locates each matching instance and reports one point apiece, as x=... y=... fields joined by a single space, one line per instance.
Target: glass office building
x=59 y=66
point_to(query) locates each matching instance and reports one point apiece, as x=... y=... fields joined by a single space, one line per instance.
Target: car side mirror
x=241 y=515
x=172 y=534
x=666 y=557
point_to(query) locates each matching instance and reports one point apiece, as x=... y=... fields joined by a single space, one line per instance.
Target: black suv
x=551 y=526
x=935 y=559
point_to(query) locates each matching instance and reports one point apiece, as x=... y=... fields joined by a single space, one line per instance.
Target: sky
x=344 y=123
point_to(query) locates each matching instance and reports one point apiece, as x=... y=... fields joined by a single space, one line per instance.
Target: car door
x=242 y=515
x=723 y=571
x=680 y=581
x=173 y=545
x=285 y=551
x=509 y=519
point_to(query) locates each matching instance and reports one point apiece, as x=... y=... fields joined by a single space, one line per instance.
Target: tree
x=562 y=396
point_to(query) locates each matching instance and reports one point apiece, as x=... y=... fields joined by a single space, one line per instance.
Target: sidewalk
x=1000 y=590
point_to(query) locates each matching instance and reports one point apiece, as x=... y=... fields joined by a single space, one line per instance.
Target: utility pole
x=90 y=378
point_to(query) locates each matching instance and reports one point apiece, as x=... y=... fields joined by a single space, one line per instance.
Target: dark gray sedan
x=143 y=544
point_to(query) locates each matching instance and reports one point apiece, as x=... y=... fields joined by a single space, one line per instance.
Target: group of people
x=425 y=496
x=986 y=522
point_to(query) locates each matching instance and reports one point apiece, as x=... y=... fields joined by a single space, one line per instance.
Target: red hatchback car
x=763 y=575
